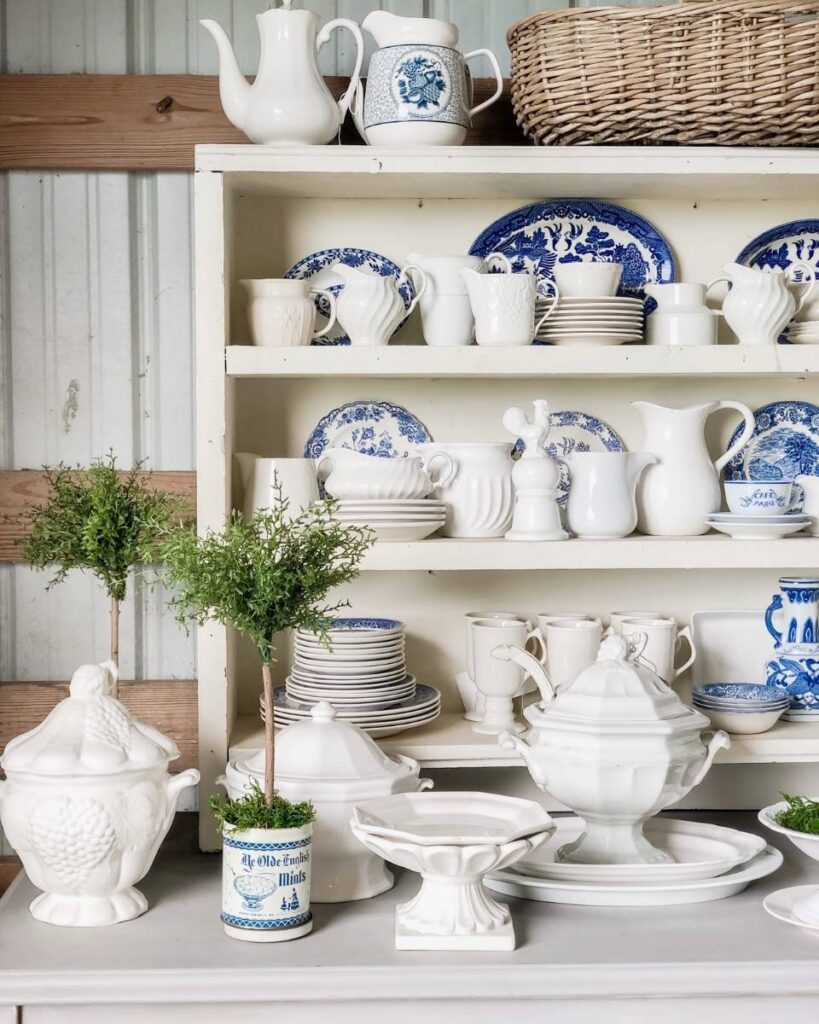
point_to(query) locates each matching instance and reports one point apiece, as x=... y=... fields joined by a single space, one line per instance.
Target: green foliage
x=266 y=575
x=253 y=811
x=97 y=522
x=801 y=814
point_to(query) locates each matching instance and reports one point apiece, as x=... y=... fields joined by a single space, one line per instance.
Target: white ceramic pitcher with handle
x=676 y=494
x=371 y=308
x=761 y=303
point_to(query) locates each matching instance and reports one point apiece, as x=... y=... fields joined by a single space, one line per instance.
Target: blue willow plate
x=372 y=428
x=574 y=432
x=318 y=269
x=570 y=230
x=747 y=693
x=785 y=443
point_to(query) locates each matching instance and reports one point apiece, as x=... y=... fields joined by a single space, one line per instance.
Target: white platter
x=780 y=904
x=705 y=890
x=699 y=850
x=732 y=646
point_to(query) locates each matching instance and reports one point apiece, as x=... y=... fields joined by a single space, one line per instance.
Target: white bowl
x=743 y=723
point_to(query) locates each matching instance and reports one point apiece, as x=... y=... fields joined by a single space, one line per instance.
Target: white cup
x=281 y=313
x=490 y=615
x=759 y=497
x=587 y=280
x=498 y=680
x=570 y=645
x=663 y=638
x=616 y=619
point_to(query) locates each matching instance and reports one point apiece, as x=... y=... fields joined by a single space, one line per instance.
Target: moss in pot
x=271 y=573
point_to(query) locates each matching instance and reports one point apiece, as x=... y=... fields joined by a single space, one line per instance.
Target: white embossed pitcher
x=760 y=303
x=370 y=308
x=504 y=306
x=676 y=494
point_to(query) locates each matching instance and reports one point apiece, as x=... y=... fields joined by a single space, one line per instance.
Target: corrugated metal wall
x=97 y=297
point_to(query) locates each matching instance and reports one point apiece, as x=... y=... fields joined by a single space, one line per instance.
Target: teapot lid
x=617 y=687
x=89 y=733
x=323 y=748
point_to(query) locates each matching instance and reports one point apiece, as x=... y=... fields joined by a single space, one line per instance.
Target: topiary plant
x=101 y=521
x=272 y=573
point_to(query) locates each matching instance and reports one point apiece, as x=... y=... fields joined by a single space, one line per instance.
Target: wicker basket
x=711 y=72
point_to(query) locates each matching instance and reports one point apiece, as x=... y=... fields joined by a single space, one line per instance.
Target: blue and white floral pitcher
x=795 y=663
x=419 y=90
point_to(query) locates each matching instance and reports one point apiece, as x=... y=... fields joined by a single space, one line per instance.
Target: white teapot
x=418 y=87
x=617 y=746
x=289 y=102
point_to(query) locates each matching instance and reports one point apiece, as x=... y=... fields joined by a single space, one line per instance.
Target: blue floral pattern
x=799 y=674
x=372 y=428
x=751 y=693
x=536 y=237
x=421 y=81
x=779 y=247
x=784 y=444
x=319 y=265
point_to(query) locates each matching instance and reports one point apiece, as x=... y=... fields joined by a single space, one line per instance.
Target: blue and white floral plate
x=785 y=443
x=574 y=432
x=317 y=268
x=372 y=428
x=571 y=230
x=780 y=246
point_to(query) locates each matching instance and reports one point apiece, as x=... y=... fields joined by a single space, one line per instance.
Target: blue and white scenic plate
x=317 y=268
x=570 y=230
x=372 y=428
x=779 y=247
x=785 y=443
x=574 y=432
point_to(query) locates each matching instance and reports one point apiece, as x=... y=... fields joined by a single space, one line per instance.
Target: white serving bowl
x=803 y=910
x=743 y=723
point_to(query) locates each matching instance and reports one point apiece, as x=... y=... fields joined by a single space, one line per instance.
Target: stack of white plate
x=758 y=527
x=362 y=673
x=709 y=862
x=605 y=321
x=804 y=332
x=396 y=519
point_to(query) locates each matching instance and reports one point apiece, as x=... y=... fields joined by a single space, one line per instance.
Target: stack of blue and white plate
x=742 y=708
x=362 y=672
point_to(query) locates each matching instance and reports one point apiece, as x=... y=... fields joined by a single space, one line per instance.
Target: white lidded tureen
x=86 y=802
x=617 y=746
x=335 y=765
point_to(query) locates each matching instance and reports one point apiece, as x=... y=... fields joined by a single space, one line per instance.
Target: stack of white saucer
x=606 y=320
x=804 y=332
x=394 y=519
x=362 y=673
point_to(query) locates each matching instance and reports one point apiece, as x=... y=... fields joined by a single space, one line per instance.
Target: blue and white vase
x=795 y=664
x=266 y=883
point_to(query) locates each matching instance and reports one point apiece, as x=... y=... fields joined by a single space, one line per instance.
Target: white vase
x=266 y=883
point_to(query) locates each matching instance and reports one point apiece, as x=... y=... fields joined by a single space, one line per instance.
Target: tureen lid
x=88 y=733
x=323 y=748
x=617 y=687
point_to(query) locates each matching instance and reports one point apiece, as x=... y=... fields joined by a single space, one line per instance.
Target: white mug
x=570 y=645
x=281 y=312
x=663 y=638
x=258 y=478
x=587 y=280
x=616 y=619
x=760 y=497
x=498 y=680
x=504 y=306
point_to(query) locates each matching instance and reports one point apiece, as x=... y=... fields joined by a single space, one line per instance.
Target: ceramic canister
x=266 y=883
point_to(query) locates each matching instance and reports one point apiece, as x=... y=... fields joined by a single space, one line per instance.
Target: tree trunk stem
x=267 y=681
x=115 y=639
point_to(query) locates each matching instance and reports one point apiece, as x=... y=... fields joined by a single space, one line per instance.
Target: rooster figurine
x=535 y=478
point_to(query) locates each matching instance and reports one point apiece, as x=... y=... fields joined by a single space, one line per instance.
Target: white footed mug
x=663 y=640
x=569 y=646
x=282 y=313
x=499 y=681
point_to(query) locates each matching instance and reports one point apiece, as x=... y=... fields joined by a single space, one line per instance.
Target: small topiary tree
x=101 y=521
x=272 y=573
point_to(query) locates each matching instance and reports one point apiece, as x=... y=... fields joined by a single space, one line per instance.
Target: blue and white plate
x=372 y=428
x=571 y=230
x=574 y=432
x=779 y=247
x=317 y=268
x=785 y=443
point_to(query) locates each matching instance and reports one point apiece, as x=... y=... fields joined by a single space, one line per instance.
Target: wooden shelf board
x=450 y=742
x=711 y=551
x=530 y=361
x=501 y=172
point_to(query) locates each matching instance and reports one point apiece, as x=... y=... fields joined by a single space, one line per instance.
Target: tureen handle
x=424 y=784
x=507 y=741
x=530 y=665
x=174 y=785
x=719 y=741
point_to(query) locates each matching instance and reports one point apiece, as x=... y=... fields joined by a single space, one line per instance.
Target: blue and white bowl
x=746 y=694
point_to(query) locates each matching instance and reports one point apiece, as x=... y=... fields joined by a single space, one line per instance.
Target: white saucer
x=700 y=850
x=589 y=339
x=781 y=903
x=757 y=529
x=511 y=883
x=404 y=531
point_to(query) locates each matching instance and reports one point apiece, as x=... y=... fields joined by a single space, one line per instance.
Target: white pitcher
x=504 y=306
x=370 y=307
x=478 y=496
x=602 y=496
x=760 y=303
x=677 y=493
x=258 y=479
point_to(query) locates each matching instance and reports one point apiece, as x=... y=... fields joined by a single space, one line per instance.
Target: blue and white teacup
x=760 y=497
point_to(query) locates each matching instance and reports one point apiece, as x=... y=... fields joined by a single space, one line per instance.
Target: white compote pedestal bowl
x=452 y=840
